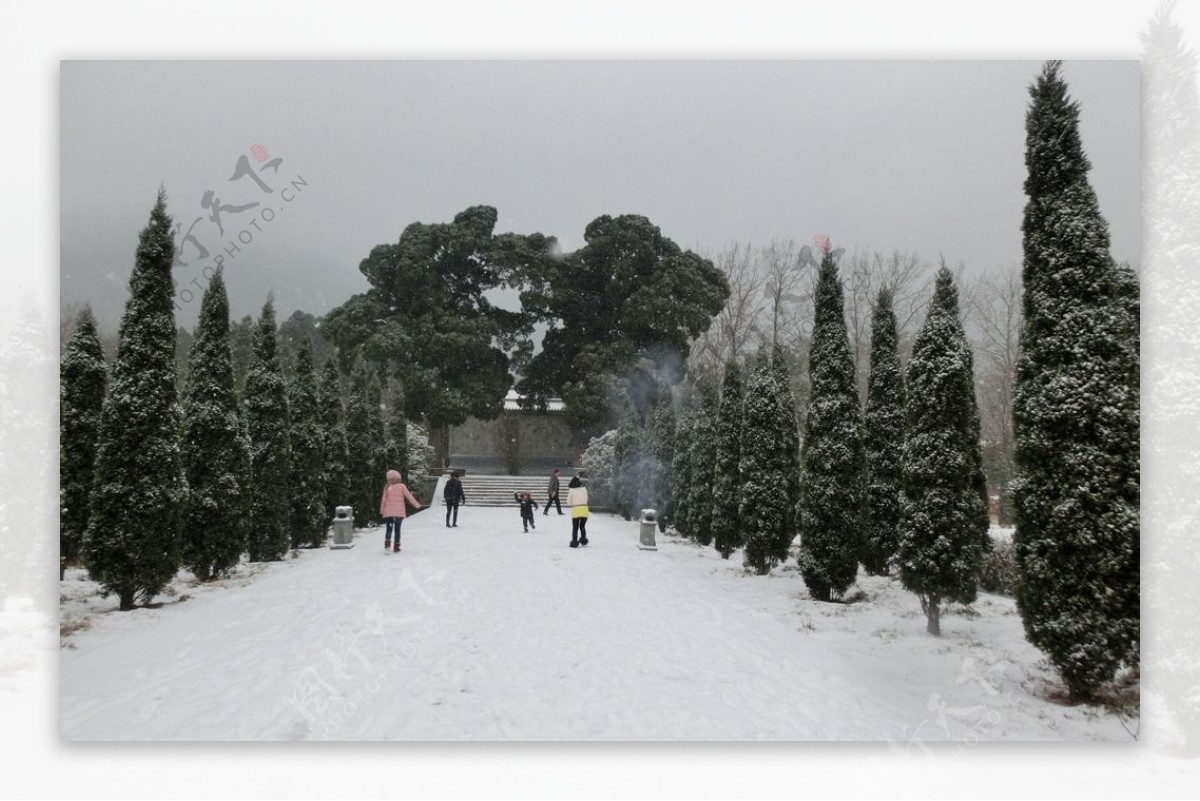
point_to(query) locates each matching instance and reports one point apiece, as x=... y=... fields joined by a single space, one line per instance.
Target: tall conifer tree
x=763 y=469
x=883 y=437
x=703 y=447
x=360 y=437
x=681 y=468
x=790 y=434
x=831 y=495
x=139 y=492
x=662 y=430
x=944 y=519
x=379 y=443
x=216 y=453
x=269 y=426
x=727 y=477
x=333 y=427
x=627 y=452
x=309 y=522
x=82 y=380
x=398 y=433
x=1075 y=410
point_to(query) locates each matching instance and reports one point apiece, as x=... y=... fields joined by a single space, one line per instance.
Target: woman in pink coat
x=392 y=509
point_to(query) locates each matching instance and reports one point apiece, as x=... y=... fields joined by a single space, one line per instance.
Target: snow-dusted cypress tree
x=360 y=438
x=268 y=422
x=1075 y=410
x=216 y=453
x=790 y=433
x=703 y=447
x=662 y=430
x=763 y=468
x=333 y=427
x=681 y=469
x=831 y=495
x=727 y=477
x=139 y=491
x=379 y=443
x=397 y=457
x=944 y=519
x=883 y=437
x=82 y=378
x=308 y=519
x=628 y=452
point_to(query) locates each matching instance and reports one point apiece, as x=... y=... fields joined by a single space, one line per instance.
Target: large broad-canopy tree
x=621 y=311
x=429 y=312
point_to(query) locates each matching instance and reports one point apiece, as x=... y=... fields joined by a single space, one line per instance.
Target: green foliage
x=768 y=467
x=600 y=461
x=834 y=464
x=702 y=447
x=397 y=432
x=662 y=453
x=82 y=379
x=883 y=438
x=727 y=476
x=681 y=469
x=427 y=311
x=241 y=345
x=999 y=573
x=944 y=519
x=333 y=428
x=630 y=463
x=1076 y=413
x=268 y=423
x=302 y=330
x=216 y=453
x=308 y=521
x=132 y=546
x=625 y=306
x=364 y=424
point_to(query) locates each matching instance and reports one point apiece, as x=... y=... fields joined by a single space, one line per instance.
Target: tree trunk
x=932 y=613
x=126 y=600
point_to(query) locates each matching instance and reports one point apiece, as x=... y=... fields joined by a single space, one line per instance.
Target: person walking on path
x=577 y=499
x=553 y=494
x=392 y=508
x=453 y=495
x=527 y=507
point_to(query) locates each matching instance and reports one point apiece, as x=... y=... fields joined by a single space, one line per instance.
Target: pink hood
x=394 y=496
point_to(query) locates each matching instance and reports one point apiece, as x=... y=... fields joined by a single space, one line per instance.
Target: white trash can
x=648 y=523
x=343 y=527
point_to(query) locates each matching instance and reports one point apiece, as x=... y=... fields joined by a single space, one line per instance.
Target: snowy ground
x=487 y=633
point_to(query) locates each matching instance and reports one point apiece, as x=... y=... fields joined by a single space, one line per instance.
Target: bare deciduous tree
x=993 y=304
x=909 y=280
x=732 y=329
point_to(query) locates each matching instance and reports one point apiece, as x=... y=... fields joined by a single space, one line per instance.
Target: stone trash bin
x=647 y=523
x=343 y=527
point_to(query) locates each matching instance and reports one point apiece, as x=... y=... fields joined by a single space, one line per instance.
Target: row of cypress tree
x=895 y=485
x=150 y=482
x=904 y=485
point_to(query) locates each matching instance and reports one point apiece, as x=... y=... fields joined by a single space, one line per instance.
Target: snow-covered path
x=485 y=632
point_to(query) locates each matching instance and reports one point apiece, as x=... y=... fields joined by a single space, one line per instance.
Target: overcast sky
x=919 y=156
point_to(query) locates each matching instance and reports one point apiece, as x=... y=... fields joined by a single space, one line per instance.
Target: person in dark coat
x=527 y=507
x=553 y=494
x=453 y=495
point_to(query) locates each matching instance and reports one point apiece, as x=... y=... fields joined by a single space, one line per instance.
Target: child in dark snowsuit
x=527 y=507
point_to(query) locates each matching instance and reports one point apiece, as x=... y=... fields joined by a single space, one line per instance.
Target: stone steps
x=486 y=490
